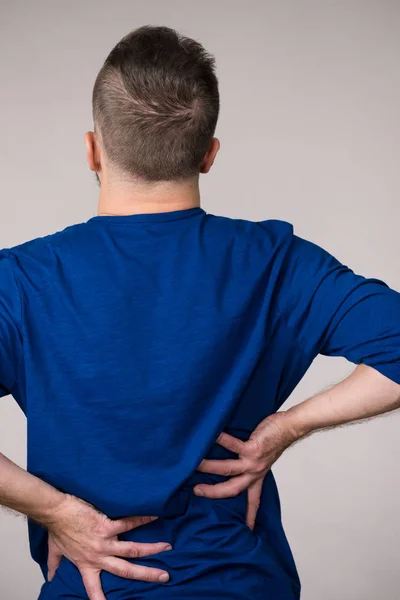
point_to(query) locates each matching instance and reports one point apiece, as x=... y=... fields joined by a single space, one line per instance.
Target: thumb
x=253 y=502
x=54 y=558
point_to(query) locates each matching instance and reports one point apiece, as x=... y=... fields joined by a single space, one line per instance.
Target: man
x=151 y=347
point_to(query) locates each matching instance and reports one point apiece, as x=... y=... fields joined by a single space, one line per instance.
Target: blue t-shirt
x=131 y=342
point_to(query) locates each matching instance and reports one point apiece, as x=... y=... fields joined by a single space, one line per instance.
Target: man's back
x=144 y=337
x=136 y=340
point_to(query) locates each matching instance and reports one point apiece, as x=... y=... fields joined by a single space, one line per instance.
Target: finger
x=227 y=489
x=125 y=569
x=136 y=550
x=231 y=443
x=253 y=502
x=91 y=581
x=127 y=523
x=227 y=467
x=52 y=564
x=54 y=559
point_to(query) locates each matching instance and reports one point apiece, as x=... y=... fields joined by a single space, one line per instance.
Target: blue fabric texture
x=130 y=342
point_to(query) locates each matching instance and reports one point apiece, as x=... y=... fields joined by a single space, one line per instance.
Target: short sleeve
x=336 y=312
x=10 y=331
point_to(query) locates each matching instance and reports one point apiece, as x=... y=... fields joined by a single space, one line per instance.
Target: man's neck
x=146 y=199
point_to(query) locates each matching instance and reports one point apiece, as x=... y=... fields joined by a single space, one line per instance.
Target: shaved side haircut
x=156 y=105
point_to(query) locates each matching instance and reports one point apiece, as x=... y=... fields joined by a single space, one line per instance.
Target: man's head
x=155 y=109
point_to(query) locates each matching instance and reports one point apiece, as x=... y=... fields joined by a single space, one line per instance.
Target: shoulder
x=297 y=257
x=41 y=252
x=267 y=233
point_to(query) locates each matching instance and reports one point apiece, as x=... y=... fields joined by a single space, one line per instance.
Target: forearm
x=27 y=494
x=365 y=393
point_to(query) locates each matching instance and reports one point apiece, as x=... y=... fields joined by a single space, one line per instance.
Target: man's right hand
x=89 y=539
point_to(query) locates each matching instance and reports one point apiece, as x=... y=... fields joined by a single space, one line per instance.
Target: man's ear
x=92 y=151
x=209 y=158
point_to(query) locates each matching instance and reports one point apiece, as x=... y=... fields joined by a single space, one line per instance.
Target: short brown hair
x=156 y=104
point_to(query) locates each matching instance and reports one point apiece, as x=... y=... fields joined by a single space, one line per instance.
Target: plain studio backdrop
x=309 y=130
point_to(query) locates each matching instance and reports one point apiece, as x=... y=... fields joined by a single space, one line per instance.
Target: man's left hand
x=255 y=458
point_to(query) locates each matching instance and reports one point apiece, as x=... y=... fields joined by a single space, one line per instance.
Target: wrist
x=296 y=423
x=287 y=425
x=46 y=514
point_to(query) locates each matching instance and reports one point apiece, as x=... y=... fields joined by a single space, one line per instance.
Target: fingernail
x=167 y=547
x=198 y=492
x=163 y=578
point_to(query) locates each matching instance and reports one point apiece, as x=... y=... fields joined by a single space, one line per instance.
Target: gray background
x=309 y=133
